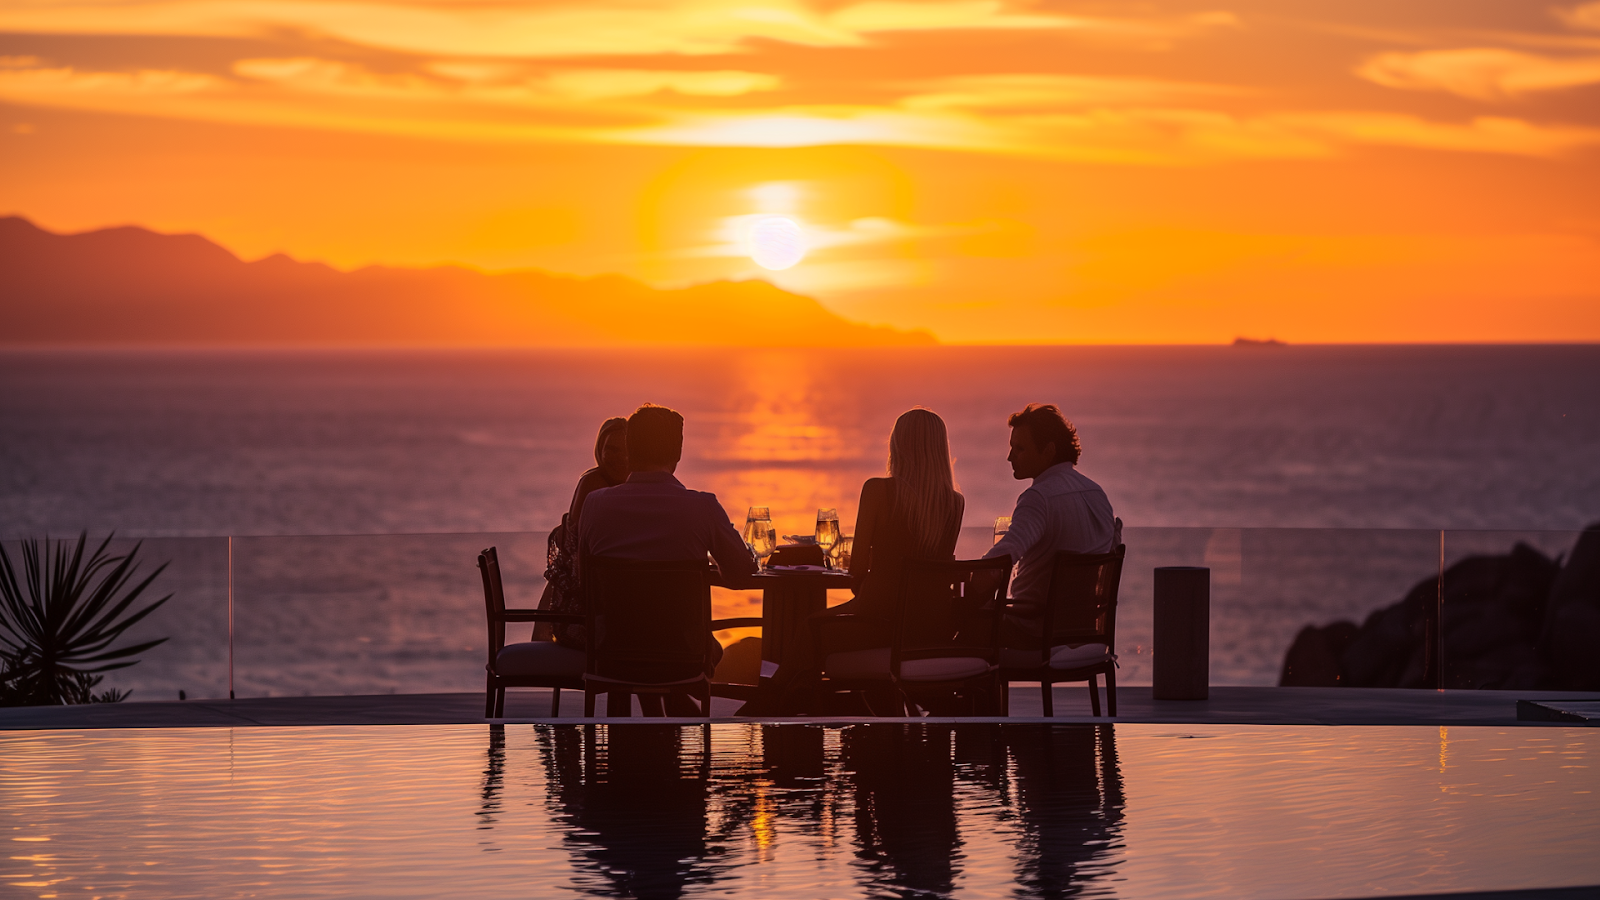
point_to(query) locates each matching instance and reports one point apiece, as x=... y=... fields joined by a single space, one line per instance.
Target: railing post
x=1438 y=623
x=230 y=617
x=1182 y=633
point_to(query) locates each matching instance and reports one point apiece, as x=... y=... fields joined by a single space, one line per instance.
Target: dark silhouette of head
x=655 y=439
x=1041 y=437
x=611 y=449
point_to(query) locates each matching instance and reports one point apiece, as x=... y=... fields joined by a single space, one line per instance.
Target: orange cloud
x=1585 y=16
x=600 y=28
x=1480 y=73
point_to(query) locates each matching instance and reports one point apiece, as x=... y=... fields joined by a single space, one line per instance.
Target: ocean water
x=797 y=811
x=358 y=442
x=359 y=485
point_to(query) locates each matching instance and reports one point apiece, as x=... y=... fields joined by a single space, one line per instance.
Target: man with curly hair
x=1062 y=510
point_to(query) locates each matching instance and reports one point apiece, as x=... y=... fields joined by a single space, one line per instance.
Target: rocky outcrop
x=1570 y=638
x=1513 y=622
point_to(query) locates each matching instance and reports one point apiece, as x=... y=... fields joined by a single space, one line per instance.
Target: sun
x=776 y=242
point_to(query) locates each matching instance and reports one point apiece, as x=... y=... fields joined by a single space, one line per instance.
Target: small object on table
x=1002 y=524
x=797 y=555
x=759 y=535
x=841 y=552
x=827 y=530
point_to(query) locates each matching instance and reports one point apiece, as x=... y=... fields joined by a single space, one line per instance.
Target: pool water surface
x=797 y=811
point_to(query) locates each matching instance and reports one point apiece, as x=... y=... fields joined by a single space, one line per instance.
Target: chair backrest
x=494 y=601
x=650 y=615
x=1082 y=605
x=951 y=605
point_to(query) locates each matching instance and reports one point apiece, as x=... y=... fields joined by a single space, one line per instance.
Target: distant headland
x=130 y=285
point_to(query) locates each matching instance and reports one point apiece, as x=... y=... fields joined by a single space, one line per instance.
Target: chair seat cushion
x=539 y=659
x=1062 y=657
x=873 y=665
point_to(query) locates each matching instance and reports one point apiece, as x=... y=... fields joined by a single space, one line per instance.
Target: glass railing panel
x=1269 y=584
x=193 y=658
x=404 y=613
x=1512 y=614
x=371 y=614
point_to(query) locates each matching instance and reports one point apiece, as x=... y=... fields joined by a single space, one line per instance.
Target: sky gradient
x=991 y=171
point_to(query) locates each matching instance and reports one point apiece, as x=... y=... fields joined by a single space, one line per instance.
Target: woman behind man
x=915 y=513
x=561 y=593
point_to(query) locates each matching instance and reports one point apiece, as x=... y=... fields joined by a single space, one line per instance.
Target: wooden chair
x=648 y=624
x=544 y=664
x=1079 y=625
x=945 y=641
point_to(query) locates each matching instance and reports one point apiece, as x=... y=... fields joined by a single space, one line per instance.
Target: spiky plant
x=57 y=636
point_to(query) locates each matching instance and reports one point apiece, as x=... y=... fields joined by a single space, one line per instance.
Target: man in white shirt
x=1063 y=510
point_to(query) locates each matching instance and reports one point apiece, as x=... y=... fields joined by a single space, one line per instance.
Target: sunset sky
x=1403 y=170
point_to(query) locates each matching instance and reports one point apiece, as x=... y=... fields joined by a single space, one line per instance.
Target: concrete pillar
x=1182 y=633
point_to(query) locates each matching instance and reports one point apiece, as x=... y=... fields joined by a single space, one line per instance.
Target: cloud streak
x=1070 y=118
x=1480 y=73
x=534 y=30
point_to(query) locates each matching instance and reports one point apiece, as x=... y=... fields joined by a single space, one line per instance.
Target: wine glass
x=827 y=530
x=841 y=552
x=758 y=534
x=1002 y=524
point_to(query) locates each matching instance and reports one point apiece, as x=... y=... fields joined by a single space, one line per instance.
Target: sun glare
x=776 y=242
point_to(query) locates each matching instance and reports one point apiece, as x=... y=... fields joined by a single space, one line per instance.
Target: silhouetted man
x=652 y=516
x=1063 y=510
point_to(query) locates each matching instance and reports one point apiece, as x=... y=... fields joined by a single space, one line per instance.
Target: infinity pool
x=797 y=811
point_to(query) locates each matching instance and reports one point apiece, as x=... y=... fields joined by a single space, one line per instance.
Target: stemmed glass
x=1002 y=524
x=827 y=530
x=841 y=552
x=758 y=534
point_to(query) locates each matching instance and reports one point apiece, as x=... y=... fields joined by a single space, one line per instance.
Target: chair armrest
x=745 y=622
x=542 y=615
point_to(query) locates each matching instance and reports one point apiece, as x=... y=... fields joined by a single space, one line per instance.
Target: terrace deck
x=1226 y=706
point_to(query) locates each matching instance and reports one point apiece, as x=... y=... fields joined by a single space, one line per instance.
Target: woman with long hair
x=561 y=554
x=915 y=513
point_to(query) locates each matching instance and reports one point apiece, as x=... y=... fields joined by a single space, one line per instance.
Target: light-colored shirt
x=653 y=516
x=1063 y=510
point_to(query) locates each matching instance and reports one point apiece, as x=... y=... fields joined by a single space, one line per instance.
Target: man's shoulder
x=1066 y=479
x=703 y=497
x=712 y=504
x=603 y=495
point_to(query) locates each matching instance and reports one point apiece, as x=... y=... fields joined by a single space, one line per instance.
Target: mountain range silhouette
x=130 y=285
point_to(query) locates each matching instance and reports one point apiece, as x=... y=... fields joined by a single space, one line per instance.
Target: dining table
x=788 y=601
x=789 y=598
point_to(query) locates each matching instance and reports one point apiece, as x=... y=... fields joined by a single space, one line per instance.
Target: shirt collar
x=653 y=478
x=1053 y=471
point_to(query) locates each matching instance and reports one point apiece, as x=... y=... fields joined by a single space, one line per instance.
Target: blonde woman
x=915 y=513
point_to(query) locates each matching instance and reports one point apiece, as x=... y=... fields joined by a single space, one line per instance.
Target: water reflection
x=634 y=804
x=905 y=813
x=651 y=811
x=1069 y=801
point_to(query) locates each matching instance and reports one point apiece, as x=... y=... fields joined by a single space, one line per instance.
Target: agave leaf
x=58 y=624
x=109 y=585
x=88 y=655
x=108 y=620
